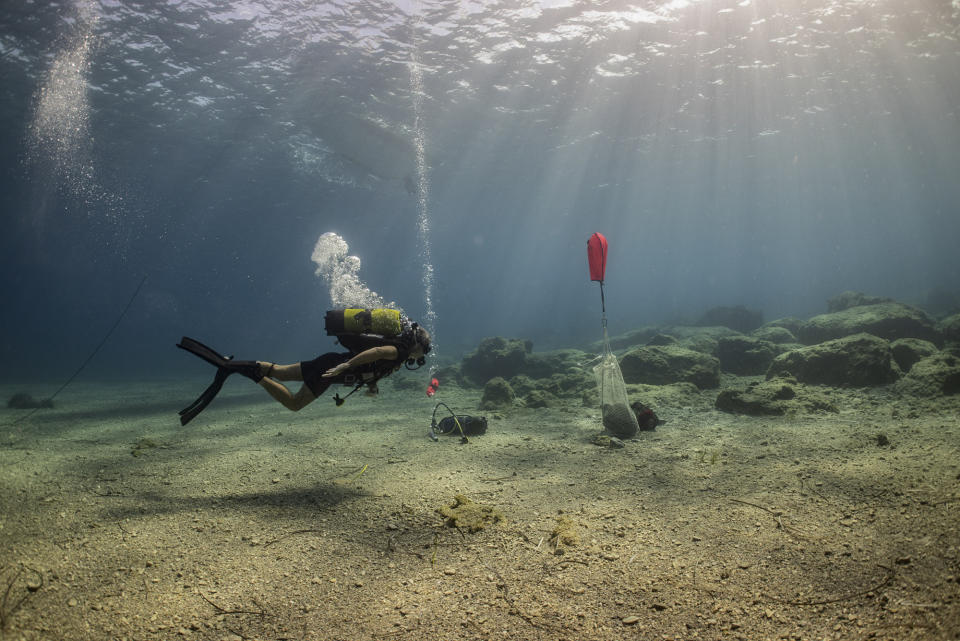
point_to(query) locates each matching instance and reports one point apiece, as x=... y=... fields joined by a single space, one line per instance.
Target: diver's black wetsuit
x=312 y=371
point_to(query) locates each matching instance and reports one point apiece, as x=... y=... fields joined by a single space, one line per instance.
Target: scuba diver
x=379 y=341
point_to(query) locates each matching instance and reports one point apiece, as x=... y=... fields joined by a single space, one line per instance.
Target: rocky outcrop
x=639 y=336
x=775 y=334
x=665 y=364
x=849 y=299
x=950 y=329
x=861 y=360
x=497 y=394
x=936 y=375
x=775 y=397
x=907 y=351
x=885 y=320
x=496 y=356
x=789 y=323
x=744 y=355
x=538 y=398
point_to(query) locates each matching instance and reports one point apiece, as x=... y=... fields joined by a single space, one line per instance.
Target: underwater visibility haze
x=767 y=154
x=748 y=430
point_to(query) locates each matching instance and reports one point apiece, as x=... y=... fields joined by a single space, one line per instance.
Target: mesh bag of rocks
x=618 y=417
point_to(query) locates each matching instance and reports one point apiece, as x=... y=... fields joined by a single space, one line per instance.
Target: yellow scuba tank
x=385 y=322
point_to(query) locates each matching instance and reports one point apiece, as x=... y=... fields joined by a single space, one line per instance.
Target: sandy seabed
x=257 y=523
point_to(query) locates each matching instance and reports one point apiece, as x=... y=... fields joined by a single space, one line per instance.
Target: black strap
x=340 y=401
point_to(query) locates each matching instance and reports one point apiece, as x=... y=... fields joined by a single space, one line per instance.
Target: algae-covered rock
x=703 y=343
x=907 y=351
x=662 y=365
x=789 y=323
x=497 y=394
x=554 y=362
x=538 y=398
x=849 y=299
x=774 y=334
x=504 y=357
x=564 y=535
x=522 y=385
x=885 y=320
x=776 y=397
x=935 y=375
x=745 y=355
x=569 y=385
x=950 y=329
x=465 y=514
x=632 y=338
x=860 y=360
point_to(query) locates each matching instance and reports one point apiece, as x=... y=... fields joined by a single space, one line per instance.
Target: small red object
x=435 y=384
x=431 y=391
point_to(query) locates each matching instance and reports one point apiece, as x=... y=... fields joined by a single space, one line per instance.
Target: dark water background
x=769 y=154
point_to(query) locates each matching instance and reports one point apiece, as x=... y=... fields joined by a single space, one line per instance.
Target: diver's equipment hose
x=433 y=424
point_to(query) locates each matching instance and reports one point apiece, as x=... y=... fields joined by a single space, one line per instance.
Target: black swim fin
x=190 y=412
x=225 y=367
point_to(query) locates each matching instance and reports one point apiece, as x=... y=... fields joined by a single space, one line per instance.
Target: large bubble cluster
x=341 y=272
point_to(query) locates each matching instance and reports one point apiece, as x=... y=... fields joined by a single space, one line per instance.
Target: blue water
x=770 y=154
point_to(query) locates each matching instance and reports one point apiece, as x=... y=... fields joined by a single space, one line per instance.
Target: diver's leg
x=293 y=402
x=281 y=372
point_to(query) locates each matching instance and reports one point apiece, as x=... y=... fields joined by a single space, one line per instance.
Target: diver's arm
x=385 y=352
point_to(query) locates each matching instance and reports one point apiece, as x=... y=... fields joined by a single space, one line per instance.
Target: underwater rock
x=568 y=385
x=737 y=318
x=950 y=328
x=564 y=535
x=662 y=365
x=757 y=400
x=775 y=397
x=935 y=375
x=496 y=356
x=745 y=355
x=861 y=360
x=703 y=343
x=848 y=299
x=632 y=338
x=885 y=320
x=497 y=394
x=662 y=339
x=775 y=334
x=559 y=361
x=465 y=514
x=23 y=401
x=907 y=351
x=647 y=419
x=788 y=323
x=540 y=398
x=619 y=420
x=521 y=384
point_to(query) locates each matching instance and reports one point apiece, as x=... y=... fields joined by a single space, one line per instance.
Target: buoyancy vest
x=361 y=329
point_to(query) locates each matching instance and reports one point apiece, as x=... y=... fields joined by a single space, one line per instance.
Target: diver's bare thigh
x=287 y=372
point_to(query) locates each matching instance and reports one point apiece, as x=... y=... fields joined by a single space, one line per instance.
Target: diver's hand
x=336 y=371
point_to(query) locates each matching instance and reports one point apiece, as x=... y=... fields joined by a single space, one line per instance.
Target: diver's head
x=421 y=345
